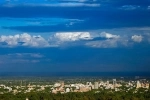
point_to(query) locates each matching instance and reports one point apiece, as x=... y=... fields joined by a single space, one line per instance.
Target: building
x=145 y=85
x=96 y=85
x=138 y=84
x=58 y=87
x=67 y=90
x=114 y=83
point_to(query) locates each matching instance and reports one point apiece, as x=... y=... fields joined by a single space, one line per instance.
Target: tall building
x=62 y=83
x=138 y=84
x=114 y=83
x=21 y=83
x=107 y=83
x=96 y=85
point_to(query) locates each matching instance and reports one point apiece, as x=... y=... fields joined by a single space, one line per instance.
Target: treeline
x=92 y=95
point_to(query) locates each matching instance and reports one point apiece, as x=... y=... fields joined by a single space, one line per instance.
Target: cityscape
x=74 y=49
x=65 y=85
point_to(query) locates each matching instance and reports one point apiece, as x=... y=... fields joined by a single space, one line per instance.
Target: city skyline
x=74 y=36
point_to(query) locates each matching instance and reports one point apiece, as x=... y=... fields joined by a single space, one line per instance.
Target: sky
x=74 y=35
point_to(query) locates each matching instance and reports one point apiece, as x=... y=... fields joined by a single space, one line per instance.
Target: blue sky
x=74 y=36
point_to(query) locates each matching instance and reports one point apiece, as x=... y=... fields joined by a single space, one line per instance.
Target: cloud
x=35 y=55
x=1 y=62
x=103 y=44
x=9 y=22
x=108 y=35
x=66 y=39
x=75 y=0
x=73 y=36
x=108 y=43
x=24 y=61
x=23 y=40
x=137 y=38
x=130 y=7
x=111 y=41
x=96 y=40
x=35 y=61
x=147 y=37
x=20 y=61
x=21 y=58
x=26 y=55
x=56 y=40
x=148 y=7
x=68 y=4
x=74 y=5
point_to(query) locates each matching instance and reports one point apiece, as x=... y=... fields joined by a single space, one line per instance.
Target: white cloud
x=111 y=41
x=30 y=55
x=69 y=4
x=137 y=38
x=73 y=36
x=24 y=61
x=108 y=35
x=148 y=7
x=21 y=58
x=129 y=7
x=35 y=61
x=36 y=55
x=103 y=44
x=65 y=39
x=20 y=61
x=25 y=39
x=75 y=0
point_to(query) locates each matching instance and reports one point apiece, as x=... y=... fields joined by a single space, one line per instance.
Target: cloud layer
x=23 y=40
x=21 y=58
x=100 y=40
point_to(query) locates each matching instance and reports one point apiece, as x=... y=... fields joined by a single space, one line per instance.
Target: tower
x=114 y=83
x=96 y=85
x=21 y=83
x=138 y=84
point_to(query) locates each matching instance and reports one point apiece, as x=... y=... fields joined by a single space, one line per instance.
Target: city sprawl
x=65 y=85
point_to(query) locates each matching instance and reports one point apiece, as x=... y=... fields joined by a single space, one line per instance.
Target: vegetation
x=91 y=95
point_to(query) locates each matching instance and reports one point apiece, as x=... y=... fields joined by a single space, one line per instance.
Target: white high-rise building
x=114 y=83
x=107 y=83
x=96 y=85
x=138 y=84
